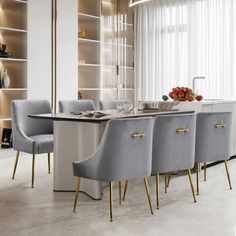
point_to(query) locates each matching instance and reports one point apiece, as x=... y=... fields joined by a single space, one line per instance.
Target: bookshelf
x=105 y=50
x=13 y=33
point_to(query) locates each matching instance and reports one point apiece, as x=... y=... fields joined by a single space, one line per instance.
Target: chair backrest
x=20 y=111
x=213 y=136
x=173 y=143
x=76 y=105
x=125 y=151
x=111 y=104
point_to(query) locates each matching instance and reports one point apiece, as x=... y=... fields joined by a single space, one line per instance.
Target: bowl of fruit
x=182 y=94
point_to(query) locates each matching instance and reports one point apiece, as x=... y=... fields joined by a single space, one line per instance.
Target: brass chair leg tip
x=198 y=194
x=230 y=188
x=152 y=213
x=111 y=220
x=195 y=201
x=158 y=207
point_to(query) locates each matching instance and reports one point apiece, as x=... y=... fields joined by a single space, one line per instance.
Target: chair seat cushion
x=43 y=143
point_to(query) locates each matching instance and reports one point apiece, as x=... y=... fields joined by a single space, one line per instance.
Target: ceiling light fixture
x=135 y=2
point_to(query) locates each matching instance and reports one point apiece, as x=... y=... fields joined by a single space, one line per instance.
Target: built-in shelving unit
x=89 y=63
x=13 y=33
x=106 y=50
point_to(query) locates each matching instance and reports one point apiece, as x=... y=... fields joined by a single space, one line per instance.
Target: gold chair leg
x=148 y=194
x=191 y=184
x=77 y=193
x=49 y=166
x=205 y=171
x=120 y=192
x=168 y=179
x=16 y=162
x=157 y=190
x=33 y=162
x=165 y=182
x=197 y=179
x=227 y=171
x=111 y=200
x=126 y=186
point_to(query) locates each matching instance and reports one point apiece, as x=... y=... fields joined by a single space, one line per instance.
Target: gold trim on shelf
x=184 y=130
x=220 y=125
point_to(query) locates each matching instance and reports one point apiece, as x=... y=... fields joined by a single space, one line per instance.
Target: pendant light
x=135 y=2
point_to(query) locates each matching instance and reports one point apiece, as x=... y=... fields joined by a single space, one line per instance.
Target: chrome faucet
x=194 y=80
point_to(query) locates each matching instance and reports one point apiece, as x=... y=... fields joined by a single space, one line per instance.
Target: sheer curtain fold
x=180 y=39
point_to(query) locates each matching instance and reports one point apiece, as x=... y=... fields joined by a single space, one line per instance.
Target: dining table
x=77 y=136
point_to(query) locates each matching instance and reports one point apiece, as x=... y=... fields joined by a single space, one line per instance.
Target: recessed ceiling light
x=135 y=2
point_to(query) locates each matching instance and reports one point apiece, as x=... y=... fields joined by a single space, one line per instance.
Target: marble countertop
x=212 y=101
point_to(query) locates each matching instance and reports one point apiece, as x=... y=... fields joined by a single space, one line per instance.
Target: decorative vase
x=4 y=47
x=5 y=81
x=82 y=33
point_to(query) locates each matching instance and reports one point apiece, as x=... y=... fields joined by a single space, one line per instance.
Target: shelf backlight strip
x=136 y=2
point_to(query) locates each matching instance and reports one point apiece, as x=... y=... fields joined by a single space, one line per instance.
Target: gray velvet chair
x=125 y=153
x=173 y=146
x=111 y=104
x=30 y=135
x=213 y=139
x=76 y=105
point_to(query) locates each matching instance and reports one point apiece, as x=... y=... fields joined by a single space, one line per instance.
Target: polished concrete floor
x=40 y=211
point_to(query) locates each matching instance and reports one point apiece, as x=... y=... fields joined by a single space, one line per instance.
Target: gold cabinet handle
x=220 y=125
x=184 y=130
x=137 y=135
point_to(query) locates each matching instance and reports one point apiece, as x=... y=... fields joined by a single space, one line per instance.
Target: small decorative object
x=199 y=97
x=184 y=94
x=148 y=105
x=119 y=107
x=5 y=81
x=154 y=106
x=82 y=33
x=7 y=54
x=3 y=52
x=165 y=98
x=4 y=47
x=166 y=106
x=6 y=138
x=128 y=107
x=80 y=95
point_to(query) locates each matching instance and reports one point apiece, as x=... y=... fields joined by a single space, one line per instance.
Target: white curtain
x=181 y=39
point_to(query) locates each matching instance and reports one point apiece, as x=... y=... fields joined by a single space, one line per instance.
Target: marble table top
x=103 y=116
